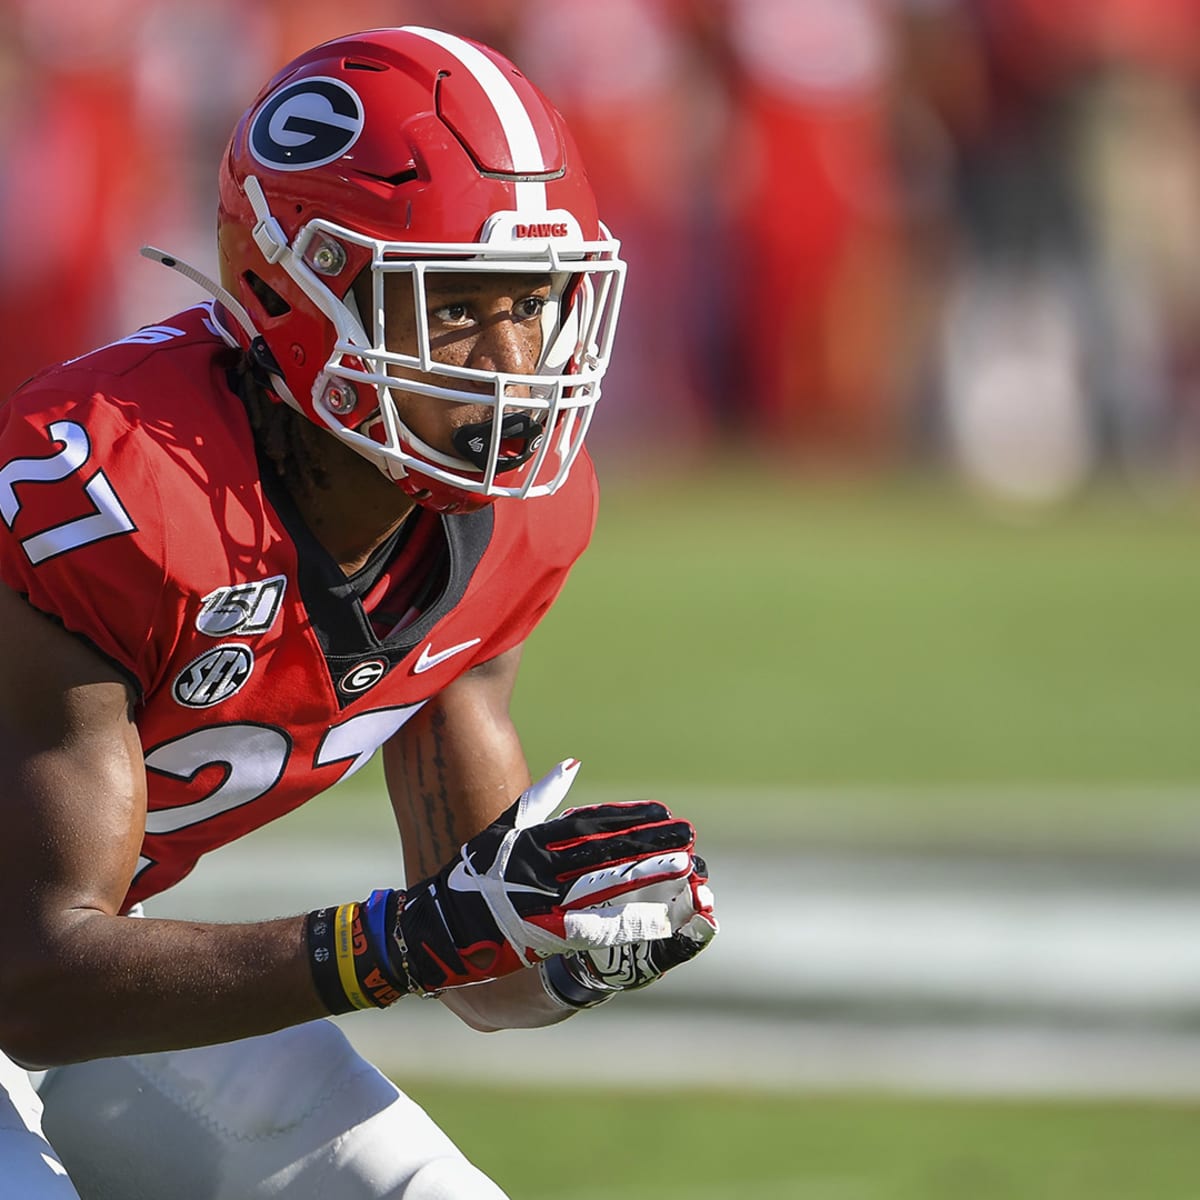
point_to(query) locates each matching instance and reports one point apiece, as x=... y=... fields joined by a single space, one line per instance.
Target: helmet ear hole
x=273 y=303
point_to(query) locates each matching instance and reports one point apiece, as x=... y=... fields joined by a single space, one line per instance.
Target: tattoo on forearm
x=427 y=795
x=439 y=814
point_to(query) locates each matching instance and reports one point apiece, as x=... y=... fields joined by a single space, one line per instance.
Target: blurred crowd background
x=865 y=237
x=861 y=232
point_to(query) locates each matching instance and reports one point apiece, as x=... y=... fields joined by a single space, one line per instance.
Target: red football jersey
x=134 y=511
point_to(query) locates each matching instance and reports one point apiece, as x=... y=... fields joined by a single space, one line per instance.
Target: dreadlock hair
x=287 y=439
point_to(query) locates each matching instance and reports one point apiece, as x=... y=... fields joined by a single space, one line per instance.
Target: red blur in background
x=859 y=231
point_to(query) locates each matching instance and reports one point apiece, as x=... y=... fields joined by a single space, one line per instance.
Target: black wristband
x=566 y=986
x=322 y=960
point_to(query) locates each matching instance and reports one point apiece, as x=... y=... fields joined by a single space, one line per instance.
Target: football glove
x=589 y=977
x=594 y=879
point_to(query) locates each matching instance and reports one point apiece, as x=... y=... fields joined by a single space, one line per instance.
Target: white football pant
x=29 y=1167
x=290 y=1116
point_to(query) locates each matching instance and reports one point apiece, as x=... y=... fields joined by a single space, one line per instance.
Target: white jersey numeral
x=108 y=519
x=357 y=739
x=254 y=758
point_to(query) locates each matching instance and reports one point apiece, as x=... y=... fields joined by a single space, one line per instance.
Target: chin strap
x=223 y=296
x=264 y=365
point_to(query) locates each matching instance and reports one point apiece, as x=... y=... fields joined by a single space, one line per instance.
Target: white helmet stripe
x=523 y=145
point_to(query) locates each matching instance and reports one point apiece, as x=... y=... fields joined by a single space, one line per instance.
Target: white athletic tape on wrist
x=616 y=925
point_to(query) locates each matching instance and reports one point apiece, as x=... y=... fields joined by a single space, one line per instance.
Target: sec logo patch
x=214 y=676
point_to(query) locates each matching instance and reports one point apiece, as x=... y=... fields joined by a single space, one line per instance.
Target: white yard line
x=1042 y=975
x=641 y=1052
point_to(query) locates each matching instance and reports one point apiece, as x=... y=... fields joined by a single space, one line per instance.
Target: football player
x=314 y=516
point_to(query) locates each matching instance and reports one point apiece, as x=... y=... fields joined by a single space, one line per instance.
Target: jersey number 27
x=108 y=519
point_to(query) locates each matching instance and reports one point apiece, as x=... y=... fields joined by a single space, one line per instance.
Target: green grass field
x=889 y=659
x=669 y=1146
x=894 y=642
x=742 y=631
x=787 y=662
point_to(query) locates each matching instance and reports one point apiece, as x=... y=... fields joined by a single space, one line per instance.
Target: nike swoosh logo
x=461 y=880
x=427 y=661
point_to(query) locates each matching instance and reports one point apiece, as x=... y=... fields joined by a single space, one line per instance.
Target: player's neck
x=356 y=513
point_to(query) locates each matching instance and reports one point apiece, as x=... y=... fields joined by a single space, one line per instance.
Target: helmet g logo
x=306 y=124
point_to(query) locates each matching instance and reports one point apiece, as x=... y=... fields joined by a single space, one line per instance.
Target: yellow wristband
x=343 y=941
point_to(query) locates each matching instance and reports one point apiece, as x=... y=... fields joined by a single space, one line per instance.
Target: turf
x=787 y=659
x=697 y=1146
x=887 y=658
x=895 y=632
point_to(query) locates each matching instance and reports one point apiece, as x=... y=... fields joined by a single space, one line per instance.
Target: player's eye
x=529 y=308
x=452 y=314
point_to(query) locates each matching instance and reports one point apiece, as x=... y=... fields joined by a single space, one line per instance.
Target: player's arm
x=80 y=981
x=451 y=770
x=77 y=980
x=456 y=765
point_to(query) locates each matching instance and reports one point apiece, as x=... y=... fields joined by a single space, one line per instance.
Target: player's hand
x=594 y=879
x=589 y=977
x=621 y=968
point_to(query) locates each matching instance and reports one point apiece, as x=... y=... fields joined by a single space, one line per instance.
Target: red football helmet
x=404 y=152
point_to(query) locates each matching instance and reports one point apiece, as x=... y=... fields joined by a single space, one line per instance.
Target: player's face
x=489 y=322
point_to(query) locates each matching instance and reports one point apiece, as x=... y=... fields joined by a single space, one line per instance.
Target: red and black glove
x=589 y=977
x=522 y=890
